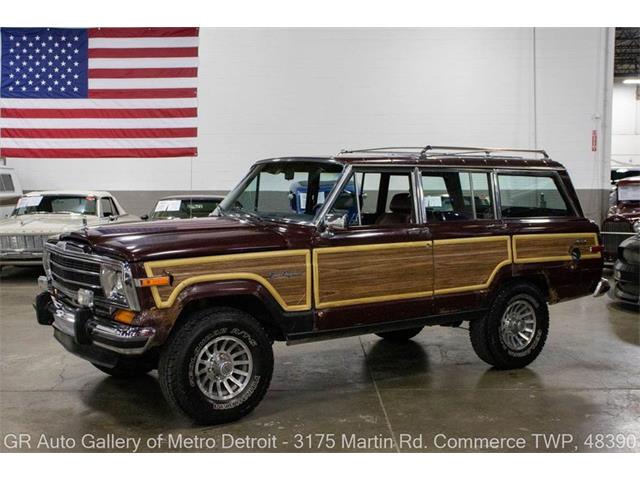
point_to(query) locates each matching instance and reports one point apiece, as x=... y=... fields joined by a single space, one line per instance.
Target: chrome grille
x=613 y=234
x=29 y=243
x=69 y=274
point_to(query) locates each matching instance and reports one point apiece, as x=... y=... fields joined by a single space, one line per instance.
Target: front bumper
x=94 y=338
x=626 y=283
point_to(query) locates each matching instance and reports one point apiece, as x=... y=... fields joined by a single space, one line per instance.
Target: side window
x=531 y=196
x=107 y=207
x=6 y=183
x=455 y=196
x=384 y=198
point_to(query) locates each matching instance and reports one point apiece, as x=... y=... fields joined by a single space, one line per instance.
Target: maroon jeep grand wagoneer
x=404 y=238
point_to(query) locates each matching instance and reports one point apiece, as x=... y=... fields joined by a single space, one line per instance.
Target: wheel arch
x=246 y=295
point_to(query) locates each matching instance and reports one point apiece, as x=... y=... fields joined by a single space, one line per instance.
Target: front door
x=378 y=266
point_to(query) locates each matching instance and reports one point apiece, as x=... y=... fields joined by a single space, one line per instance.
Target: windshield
x=56 y=204
x=183 y=208
x=287 y=191
x=629 y=192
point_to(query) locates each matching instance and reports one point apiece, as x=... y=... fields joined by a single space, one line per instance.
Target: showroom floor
x=353 y=394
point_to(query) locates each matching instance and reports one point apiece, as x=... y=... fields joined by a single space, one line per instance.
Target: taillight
x=596 y=249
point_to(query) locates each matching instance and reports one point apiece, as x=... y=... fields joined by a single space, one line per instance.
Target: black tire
x=487 y=338
x=126 y=369
x=198 y=336
x=400 y=335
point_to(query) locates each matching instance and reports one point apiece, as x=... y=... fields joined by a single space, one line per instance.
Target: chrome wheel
x=518 y=325
x=223 y=368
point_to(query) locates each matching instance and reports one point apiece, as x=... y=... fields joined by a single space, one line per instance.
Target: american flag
x=98 y=92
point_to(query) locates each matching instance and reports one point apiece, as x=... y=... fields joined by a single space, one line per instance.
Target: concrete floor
x=355 y=394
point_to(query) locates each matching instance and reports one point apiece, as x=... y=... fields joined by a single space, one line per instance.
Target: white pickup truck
x=40 y=215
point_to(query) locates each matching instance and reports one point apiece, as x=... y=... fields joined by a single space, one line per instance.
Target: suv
x=403 y=239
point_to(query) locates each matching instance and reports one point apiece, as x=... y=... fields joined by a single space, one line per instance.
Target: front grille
x=74 y=264
x=29 y=243
x=613 y=234
x=70 y=273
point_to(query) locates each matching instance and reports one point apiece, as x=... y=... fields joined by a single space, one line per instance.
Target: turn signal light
x=154 y=281
x=596 y=249
x=124 y=316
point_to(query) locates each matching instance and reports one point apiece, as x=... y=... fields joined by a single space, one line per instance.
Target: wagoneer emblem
x=282 y=274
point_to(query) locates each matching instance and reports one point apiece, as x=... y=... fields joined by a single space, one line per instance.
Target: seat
x=400 y=207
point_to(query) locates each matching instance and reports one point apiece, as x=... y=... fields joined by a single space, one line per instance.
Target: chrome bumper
x=119 y=338
x=602 y=287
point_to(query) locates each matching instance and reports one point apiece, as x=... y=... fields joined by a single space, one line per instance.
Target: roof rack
x=435 y=150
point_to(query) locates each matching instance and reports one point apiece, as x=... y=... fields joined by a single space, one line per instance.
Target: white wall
x=625 y=147
x=275 y=92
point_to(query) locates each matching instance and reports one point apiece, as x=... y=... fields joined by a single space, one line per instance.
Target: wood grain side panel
x=552 y=247
x=288 y=277
x=463 y=264
x=352 y=275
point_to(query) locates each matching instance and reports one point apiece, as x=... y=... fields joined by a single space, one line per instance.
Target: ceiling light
x=632 y=81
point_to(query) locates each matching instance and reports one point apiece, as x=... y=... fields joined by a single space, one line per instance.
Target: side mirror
x=332 y=222
x=144 y=217
x=112 y=218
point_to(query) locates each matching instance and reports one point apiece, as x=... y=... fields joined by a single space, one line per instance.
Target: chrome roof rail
x=439 y=150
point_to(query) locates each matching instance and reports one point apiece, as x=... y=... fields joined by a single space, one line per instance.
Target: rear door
x=471 y=244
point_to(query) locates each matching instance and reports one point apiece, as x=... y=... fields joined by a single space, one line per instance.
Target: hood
x=43 y=223
x=158 y=240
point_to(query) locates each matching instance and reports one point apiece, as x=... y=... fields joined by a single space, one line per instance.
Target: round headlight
x=636 y=226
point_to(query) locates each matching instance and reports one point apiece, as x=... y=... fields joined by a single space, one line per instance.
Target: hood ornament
x=84 y=224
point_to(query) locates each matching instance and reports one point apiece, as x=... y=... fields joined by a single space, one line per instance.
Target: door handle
x=418 y=231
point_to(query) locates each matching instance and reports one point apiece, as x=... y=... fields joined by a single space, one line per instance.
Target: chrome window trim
x=421 y=215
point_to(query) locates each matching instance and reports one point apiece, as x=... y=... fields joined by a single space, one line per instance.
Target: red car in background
x=623 y=218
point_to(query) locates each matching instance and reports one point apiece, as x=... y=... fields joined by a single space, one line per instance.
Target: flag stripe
x=144 y=93
x=97 y=152
x=126 y=103
x=98 y=133
x=141 y=83
x=142 y=72
x=144 y=42
x=72 y=123
x=98 y=113
x=128 y=32
x=177 y=142
x=143 y=52
x=179 y=62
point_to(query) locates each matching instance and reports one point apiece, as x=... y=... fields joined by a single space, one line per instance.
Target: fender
x=287 y=323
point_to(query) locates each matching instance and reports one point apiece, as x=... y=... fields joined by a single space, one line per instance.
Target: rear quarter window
x=523 y=196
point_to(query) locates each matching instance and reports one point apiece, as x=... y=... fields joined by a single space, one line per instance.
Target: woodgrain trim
x=553 y=236
x=318 y=252
x=240 y=275
x=462 y=241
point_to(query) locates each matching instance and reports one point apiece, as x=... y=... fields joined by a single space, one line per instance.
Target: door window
x=107 y=207
x=376 y=198
x=456 y=196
